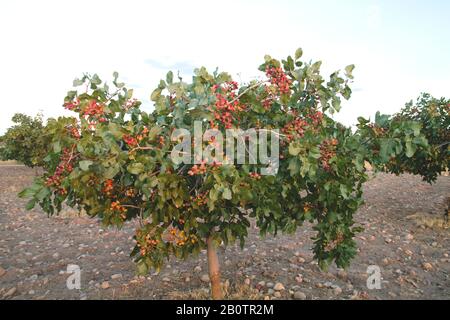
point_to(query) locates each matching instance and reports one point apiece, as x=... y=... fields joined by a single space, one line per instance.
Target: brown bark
x=214 y=270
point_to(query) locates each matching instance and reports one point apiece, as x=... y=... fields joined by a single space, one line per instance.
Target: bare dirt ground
x=403 y=235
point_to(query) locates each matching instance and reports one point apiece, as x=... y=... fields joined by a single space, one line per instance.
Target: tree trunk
x=214 y=270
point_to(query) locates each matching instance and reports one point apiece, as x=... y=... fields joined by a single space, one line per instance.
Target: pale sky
x=400 y=47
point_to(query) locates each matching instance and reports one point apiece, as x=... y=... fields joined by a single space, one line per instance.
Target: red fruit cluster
x=73 y=105
x=161 y=141
x=336 y=242
x=134 y=141
x=74 y=132
x=130 y=140
x=200 y=199
x=198 y=169
x=294 y=129
x=327 y=151
x=93 y=109
x=145 y=242
x=255 y=176
x=278 y=78
x=62 y=170
x=130 y=192
x=226 y=105
x=116 y=206
x=307 y=207
x=316 y=118
x=130 y=103
x=108 y=187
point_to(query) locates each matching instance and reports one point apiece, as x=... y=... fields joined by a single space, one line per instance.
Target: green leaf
x=227 y=194
x=84 y=165
x=387 y=148
x=298 y=53
x=30 y=204
x=57 y=147
x=344 y=192
x=155 y=94
x=142 y=268
x=294 y=166
x=136 y=168
x=410 y=149
x=78 y=82
x=169 y=77
x=294 y=149
x=349 y=70
x=96 y=80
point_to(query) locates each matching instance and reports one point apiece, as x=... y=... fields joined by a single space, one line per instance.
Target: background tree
x=114 y=162
x=427 y=154
x=25 y=141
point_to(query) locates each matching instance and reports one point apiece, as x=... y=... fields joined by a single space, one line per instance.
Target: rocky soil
x=405 y=235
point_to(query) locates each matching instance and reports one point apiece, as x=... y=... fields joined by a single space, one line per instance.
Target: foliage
x=415 y=140
x=25 y=141
x=115 y=163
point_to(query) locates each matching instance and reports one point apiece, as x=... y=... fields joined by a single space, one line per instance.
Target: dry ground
x=399 y=211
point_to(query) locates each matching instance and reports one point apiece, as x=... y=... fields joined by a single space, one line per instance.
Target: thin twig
x=247 y=90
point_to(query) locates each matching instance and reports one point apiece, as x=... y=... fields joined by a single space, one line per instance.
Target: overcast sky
x=400 y=47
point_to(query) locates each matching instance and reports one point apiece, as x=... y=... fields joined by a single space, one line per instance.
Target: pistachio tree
x=116 y=161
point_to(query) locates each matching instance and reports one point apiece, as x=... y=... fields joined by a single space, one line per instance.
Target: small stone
x=269 y=284
x=427 y=266
x=266 y=298
x=165 y=279
x=31 y=292
x=270 y=291
x=337 y=291
x=279 y=286
x=105 y=285
x=277 y=294
x=342 y=274
x=2 y=272
x=301 y=260
x=22 y=243
x=409 y=237
x=198 y=269
x=226 y=285
x=392 y=294
x=298 y=295
x=187 y=279
x=10 y=292
x=247 y=281
x=55 y=255
x=204 y=278
x=299 y=278
x=262 y=284
x=116 y=276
